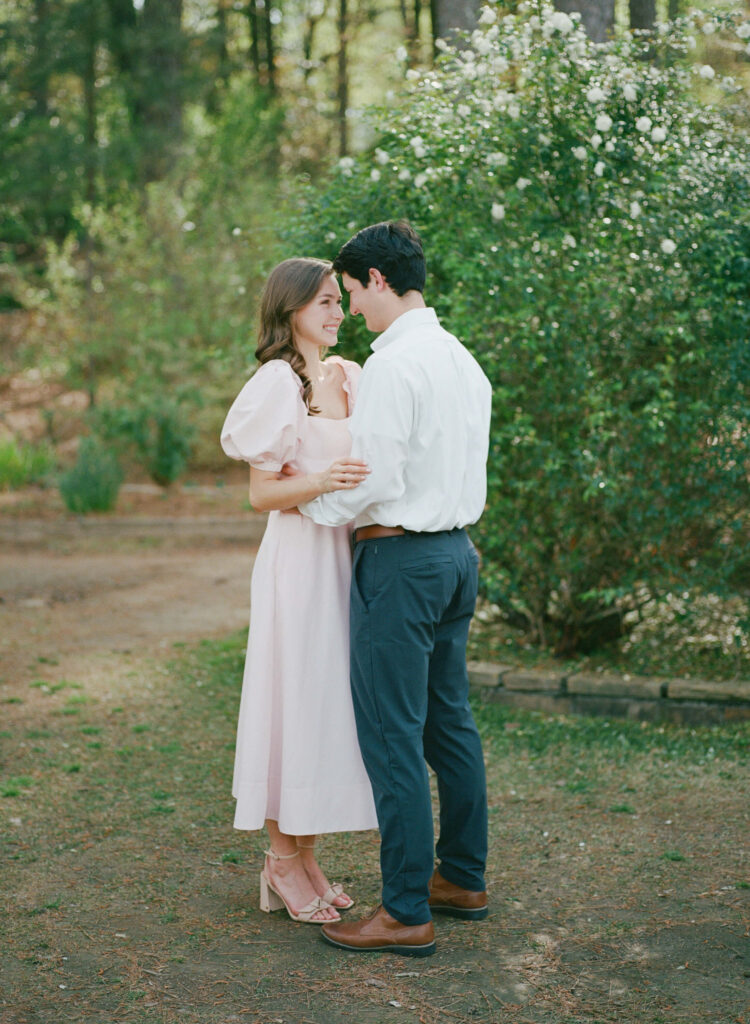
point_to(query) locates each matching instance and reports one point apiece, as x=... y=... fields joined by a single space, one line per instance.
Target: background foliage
x=588 y=237
x=585 y=215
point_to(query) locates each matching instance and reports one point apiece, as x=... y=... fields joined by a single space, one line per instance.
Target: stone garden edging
x=690 y=701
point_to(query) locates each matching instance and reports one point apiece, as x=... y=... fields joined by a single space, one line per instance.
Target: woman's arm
x=276 y=491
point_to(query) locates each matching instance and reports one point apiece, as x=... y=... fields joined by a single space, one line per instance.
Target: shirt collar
x=406 y=322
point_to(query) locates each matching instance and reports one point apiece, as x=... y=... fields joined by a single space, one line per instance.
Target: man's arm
x=380 y=427
x=269 y=491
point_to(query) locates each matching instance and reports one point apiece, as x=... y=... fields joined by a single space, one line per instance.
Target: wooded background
x=584 y=195
x=100 y=97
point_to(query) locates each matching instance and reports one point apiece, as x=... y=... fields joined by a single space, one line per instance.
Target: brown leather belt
x=369 y=532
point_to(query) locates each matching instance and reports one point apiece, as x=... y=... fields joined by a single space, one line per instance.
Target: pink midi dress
x=297 y=759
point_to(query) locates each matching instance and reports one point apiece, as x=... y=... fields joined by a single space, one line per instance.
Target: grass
x=616 y=853
x=23 y=464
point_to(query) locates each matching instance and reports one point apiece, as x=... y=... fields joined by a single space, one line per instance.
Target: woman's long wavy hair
x=290 y=286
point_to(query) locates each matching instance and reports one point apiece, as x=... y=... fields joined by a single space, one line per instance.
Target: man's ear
x=377 y=278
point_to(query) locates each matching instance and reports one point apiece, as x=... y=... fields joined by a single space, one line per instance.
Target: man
x=421 y=422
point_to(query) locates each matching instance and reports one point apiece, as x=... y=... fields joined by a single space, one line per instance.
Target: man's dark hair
x=392 y=247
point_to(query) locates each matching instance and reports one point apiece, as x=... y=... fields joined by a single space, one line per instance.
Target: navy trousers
x=412 y=600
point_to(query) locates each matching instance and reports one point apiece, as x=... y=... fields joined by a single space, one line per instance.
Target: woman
x=298 y=767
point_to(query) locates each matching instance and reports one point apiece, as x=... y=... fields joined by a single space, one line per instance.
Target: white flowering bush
x=697 y=623
x=586 y=221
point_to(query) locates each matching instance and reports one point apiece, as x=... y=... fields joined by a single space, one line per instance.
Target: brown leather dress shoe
x=381 y=933
x=450 y=899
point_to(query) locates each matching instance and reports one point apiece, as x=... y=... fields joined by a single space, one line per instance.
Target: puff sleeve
x=265 y=421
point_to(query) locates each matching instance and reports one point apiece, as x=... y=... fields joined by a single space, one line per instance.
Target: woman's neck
x=313 y=363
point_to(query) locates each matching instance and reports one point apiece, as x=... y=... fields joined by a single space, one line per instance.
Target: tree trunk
x=308 y=42
x=270 y=50
x=89 y=97
x=252 y=20
x=452 y=16
x=642 y=14
x=598 y=16
x=222 y=35
x=342 y=83
x=121 y=35
x=40 y=80
x=161 y=81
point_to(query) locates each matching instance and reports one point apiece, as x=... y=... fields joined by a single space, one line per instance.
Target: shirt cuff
x=320 y=512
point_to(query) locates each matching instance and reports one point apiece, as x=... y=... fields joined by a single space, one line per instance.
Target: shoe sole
x=426 y=950
x=464 y=913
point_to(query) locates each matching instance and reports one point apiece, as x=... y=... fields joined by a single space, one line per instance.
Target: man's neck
x=403 y=304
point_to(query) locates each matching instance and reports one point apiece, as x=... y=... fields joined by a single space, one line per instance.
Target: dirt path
x=76 y=611
x=76 y=595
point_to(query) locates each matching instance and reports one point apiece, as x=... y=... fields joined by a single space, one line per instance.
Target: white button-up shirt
x=421 y=423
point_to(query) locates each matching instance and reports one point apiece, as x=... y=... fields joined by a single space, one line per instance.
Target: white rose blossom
x=404 y=174
x=707 y=72
x=596 y=141
x=420 y=180
x=569 y=242
x=603 y=123
x=523 y=183
x=374 y=174
x=381 y=157
x=635 y=209
x=743 y=30
x=498 y=211
x=487 y=17
x=609 y=146
x=667 y=246
x=599 y=168
x=558 y=21
x=643 y=124
x=496 y=159
x=579 y=152
x=659 y=134
x=629 y=92
x=595 y=95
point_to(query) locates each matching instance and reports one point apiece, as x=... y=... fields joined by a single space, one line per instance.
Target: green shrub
x=93 y=483
x=22 y=464
x=587 y=228
x=158 y=430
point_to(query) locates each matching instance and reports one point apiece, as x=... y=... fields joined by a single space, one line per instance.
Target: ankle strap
x=306 y=846
x=281 y=856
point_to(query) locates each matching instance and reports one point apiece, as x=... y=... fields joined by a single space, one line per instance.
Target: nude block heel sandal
x=271 y=899
x=334 y=890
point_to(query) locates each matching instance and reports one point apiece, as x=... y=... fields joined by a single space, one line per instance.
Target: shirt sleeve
x=380 y=427
x=263 y=425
